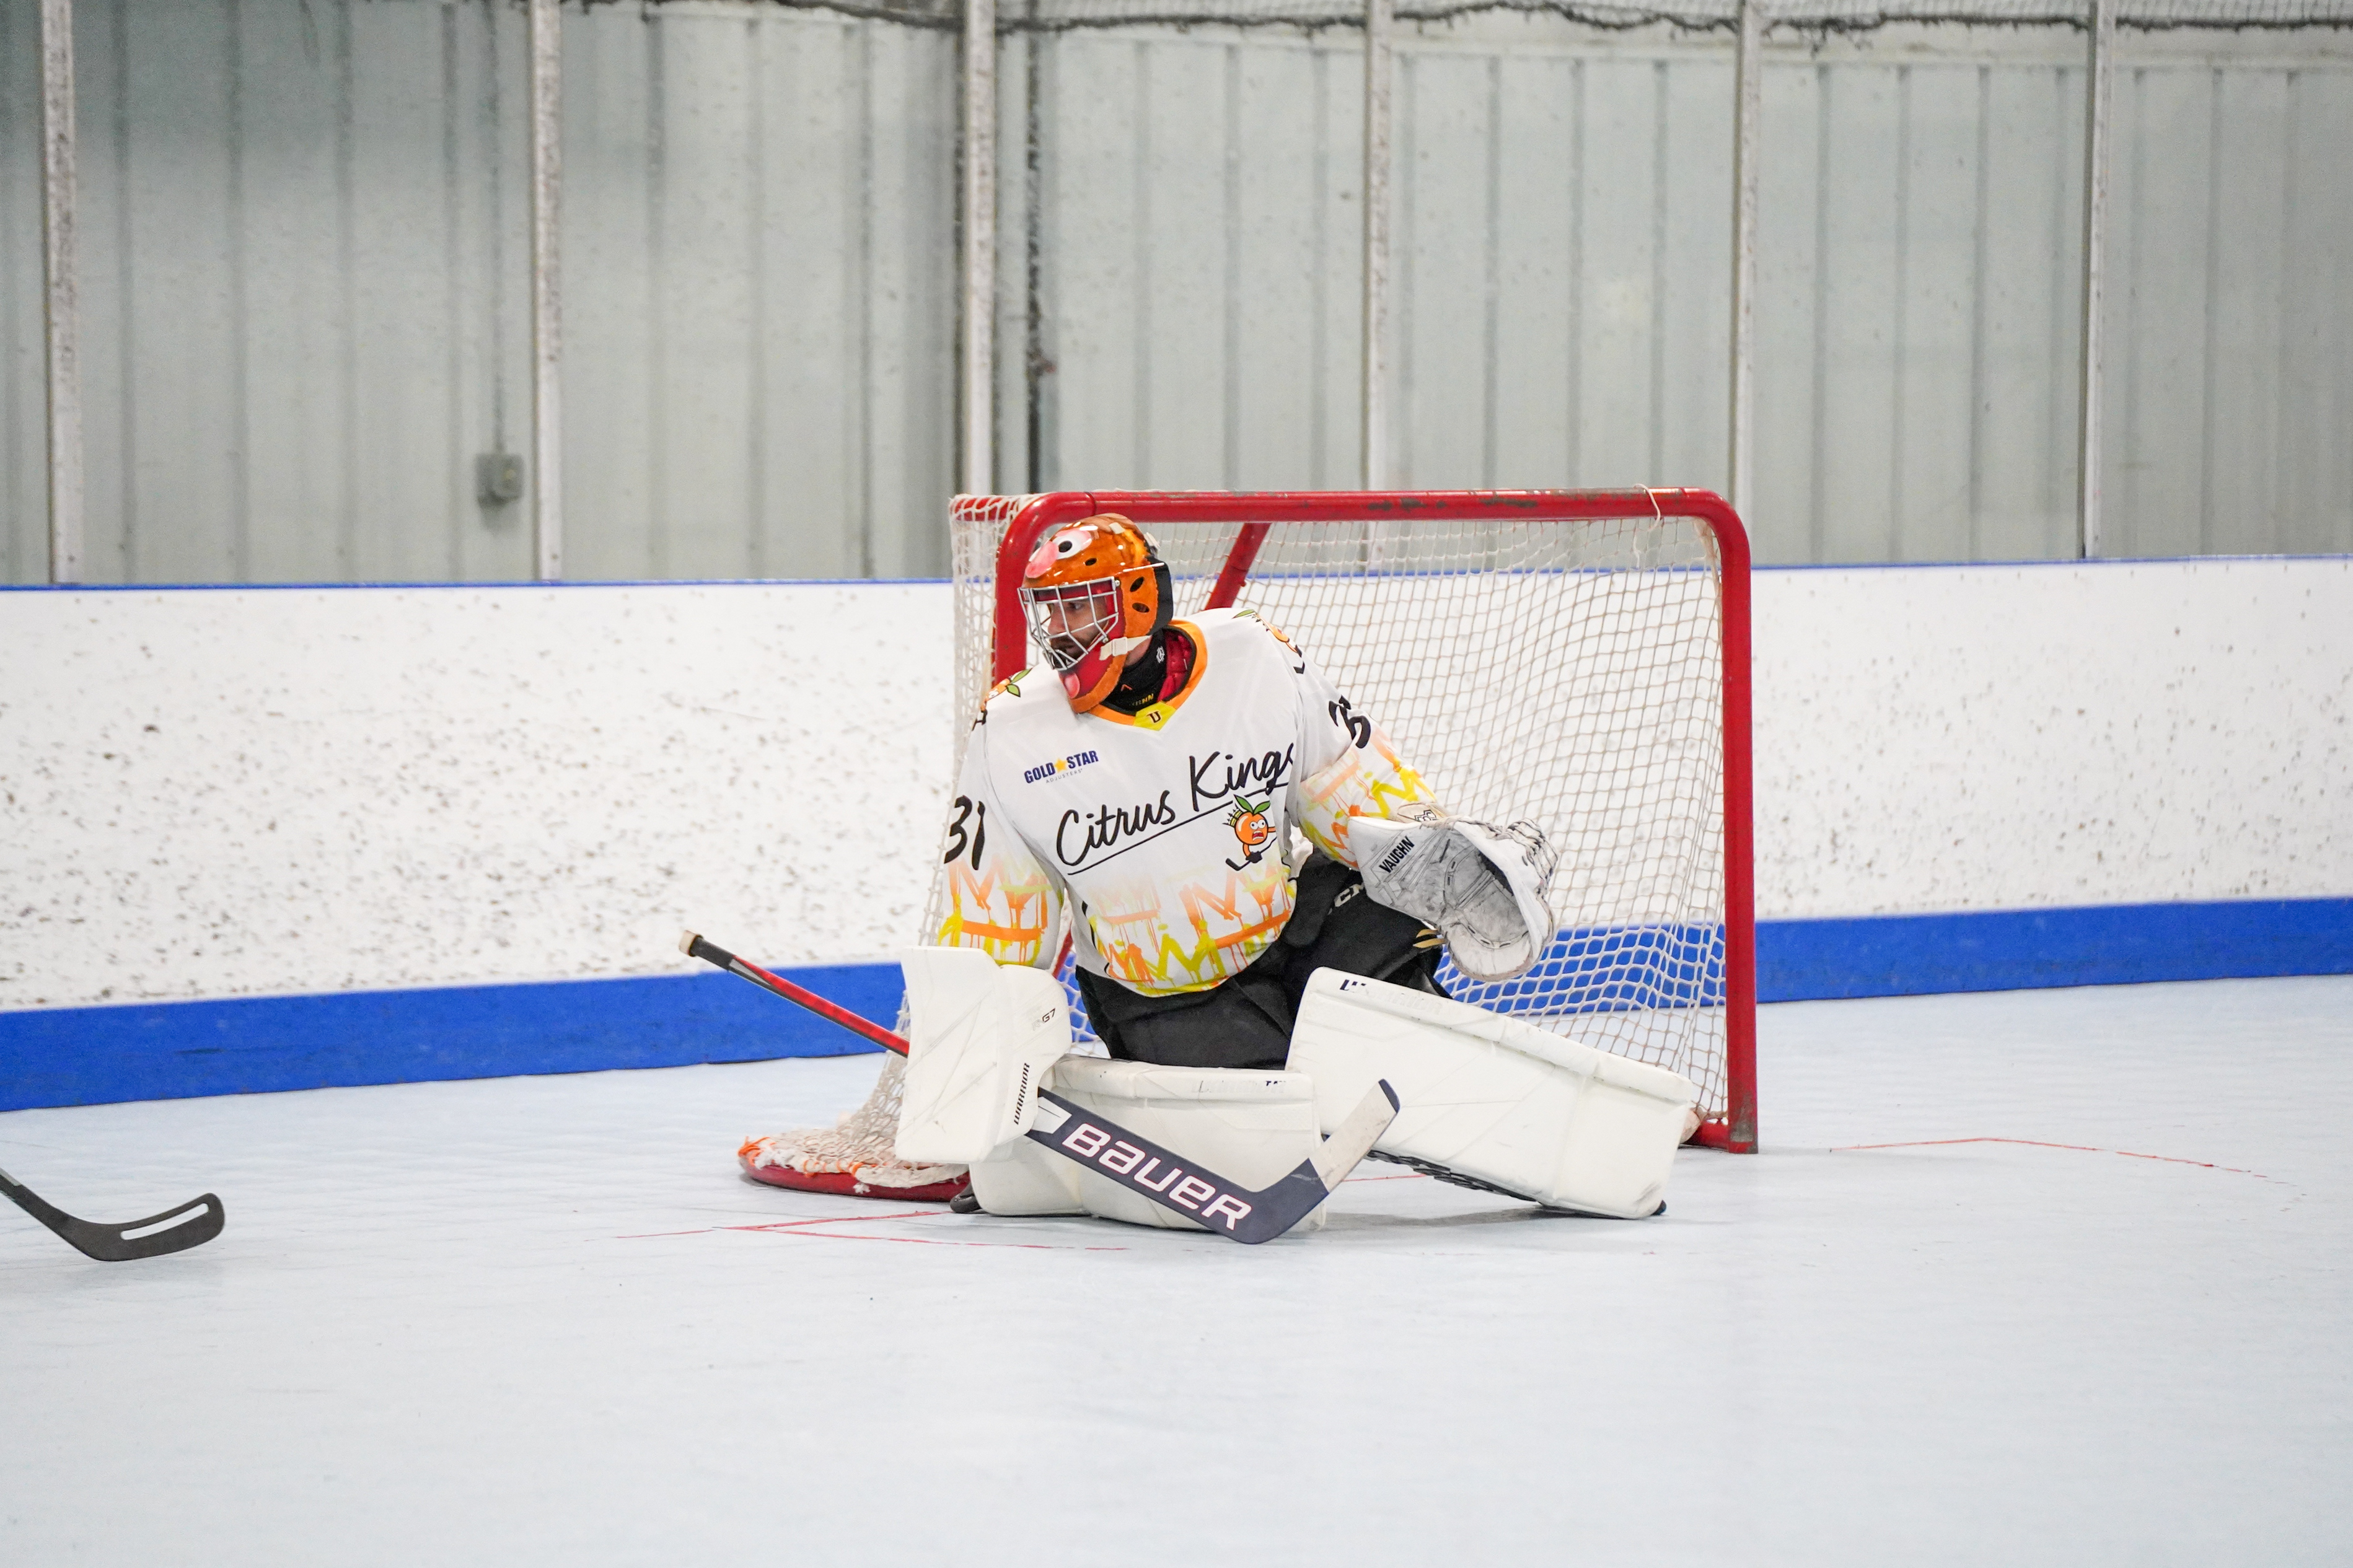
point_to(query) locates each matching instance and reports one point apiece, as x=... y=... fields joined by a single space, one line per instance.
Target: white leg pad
x=981 y=1038
x=1538 y=1115
x=1251 y=1128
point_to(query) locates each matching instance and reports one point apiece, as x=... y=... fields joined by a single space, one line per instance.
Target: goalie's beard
x=1128 y=682
x=1072 y=626
x=1089 y=681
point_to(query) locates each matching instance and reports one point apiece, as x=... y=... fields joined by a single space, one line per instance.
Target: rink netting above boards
x=1566 y=673
x=1818 y=16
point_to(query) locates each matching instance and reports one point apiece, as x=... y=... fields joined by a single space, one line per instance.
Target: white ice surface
x=523 y=1322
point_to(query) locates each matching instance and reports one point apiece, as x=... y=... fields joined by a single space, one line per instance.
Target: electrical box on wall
x=498 y=478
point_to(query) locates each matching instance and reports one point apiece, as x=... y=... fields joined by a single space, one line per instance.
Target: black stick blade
x=192 y=1224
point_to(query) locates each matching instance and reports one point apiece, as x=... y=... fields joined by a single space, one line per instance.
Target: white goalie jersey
x=1165 y=831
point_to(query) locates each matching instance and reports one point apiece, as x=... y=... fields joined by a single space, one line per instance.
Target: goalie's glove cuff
x=1480 y=886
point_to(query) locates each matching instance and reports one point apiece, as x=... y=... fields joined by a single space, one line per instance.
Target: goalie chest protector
x=1168 y=827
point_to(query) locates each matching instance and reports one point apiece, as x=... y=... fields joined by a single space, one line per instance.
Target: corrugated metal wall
x=1562 y=279
x=760 y=295
x=1920 y=273
x=305 y=291
x=301 y=250
x=304 y=253
x=2232 y=430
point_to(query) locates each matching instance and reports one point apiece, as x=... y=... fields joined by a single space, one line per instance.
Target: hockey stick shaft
x=174 y=1230
x=710 y=953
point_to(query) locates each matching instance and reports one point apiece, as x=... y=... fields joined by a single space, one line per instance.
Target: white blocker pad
x=1530 y=1113
x=1250 y=1128
x=981 y=1037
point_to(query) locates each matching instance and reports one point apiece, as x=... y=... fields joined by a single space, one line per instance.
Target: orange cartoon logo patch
x=1248 y=819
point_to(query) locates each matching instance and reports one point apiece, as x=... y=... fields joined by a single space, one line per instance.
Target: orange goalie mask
x=1095 y=590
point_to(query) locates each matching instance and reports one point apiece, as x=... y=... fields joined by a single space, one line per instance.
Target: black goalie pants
x=1246 y=1022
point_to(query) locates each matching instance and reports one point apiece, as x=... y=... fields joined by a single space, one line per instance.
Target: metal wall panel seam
x=1374 y=396
x=62 y=307
x=1747 y=91
x=546 y=44
x=2101 y=45
x=978 y=273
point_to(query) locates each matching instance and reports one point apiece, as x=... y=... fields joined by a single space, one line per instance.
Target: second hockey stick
x=174 y=1230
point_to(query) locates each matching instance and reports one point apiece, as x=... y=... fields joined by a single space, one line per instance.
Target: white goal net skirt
x=1576 y=659
x=858 y=1147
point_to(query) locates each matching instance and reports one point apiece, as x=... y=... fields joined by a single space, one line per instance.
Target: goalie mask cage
x=1574 y=658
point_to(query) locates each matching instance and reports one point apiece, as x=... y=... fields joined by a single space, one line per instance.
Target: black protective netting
x=1802 y=15
x=1694 y=15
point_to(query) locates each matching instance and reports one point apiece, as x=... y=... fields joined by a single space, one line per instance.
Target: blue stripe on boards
x=172 y=1051
x=2025 y=950
x=92 y=1056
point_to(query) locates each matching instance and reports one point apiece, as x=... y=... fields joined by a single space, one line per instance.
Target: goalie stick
x=173 y=1230
x=694 y=946
x=1101 y=1145
x=1106 y=1148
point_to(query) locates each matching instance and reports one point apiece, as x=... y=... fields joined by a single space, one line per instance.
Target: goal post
x=1577 y=658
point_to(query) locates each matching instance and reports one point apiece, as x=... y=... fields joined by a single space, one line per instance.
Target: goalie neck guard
x=1095 y=590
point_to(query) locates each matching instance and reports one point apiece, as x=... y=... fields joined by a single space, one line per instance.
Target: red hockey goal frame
x=1257 y=513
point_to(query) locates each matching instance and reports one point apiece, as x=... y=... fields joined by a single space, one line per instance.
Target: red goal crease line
x=2038 y=1143
x=812 y=1228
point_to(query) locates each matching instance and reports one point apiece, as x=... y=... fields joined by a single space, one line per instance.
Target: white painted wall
x=229 y=792
x=1990 y=737
x=223 y=792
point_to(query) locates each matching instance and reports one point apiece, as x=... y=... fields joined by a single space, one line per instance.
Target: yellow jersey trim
x=1156 y=716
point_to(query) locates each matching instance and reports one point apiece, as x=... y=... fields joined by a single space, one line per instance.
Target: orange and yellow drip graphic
x=1005 y=916
x=1350 y=787
x=1214 y=935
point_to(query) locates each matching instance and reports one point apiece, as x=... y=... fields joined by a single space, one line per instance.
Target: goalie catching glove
x=1479 y=885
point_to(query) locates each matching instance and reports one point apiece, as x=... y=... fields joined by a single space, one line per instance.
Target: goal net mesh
x=1559 y=671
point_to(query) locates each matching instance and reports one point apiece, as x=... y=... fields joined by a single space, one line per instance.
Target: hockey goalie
x=1143 y=787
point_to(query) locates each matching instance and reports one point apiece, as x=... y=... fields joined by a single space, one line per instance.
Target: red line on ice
x=2038 y=1143
x=806 y=1227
